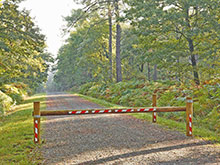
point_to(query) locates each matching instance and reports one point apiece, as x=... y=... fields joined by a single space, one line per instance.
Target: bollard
x=37 y=122
x=189 y=116
x=154 y=114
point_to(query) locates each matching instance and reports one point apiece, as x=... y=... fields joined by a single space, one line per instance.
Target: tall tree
x=194 y=22
x=105 y=7
x=118 y=42
x=21 y=46
x=84 y=57
x=110 y=40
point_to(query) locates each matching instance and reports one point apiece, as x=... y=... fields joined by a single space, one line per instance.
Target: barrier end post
x=36 y=122
x=189 y=116
x=154 y=114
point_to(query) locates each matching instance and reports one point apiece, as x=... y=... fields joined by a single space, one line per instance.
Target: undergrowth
x=139 y=94
x=198 y=131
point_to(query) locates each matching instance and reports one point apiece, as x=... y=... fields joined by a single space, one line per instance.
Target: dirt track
x=116 y=139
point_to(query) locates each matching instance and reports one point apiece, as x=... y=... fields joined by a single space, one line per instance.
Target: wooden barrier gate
x=188 y=108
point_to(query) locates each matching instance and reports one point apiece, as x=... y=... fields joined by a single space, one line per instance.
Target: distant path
x=115 y=139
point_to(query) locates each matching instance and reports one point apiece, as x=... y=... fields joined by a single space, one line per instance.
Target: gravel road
x=115 y=139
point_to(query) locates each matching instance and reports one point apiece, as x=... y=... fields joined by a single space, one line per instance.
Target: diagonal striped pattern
x=119 y=110
x=155 y=116
x=112 y=111
x=190 y=124
x=36 y=130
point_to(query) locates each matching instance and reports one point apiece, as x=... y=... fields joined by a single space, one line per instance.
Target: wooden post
x=154 y=114
x=37 y=122
x=189 y=116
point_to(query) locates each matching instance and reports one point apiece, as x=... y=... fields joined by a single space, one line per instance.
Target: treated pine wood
x=154 y=99
x=158 y=109
x=37 y=113
x=189 y=111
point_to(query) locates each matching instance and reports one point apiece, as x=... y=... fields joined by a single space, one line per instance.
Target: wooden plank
x=110 y=111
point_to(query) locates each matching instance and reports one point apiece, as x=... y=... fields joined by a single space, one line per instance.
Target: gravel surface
x=115 y=139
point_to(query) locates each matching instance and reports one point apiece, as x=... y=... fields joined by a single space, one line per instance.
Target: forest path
x=115 y=139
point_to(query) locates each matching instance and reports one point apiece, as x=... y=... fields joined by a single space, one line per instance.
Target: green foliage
x=139 y=94
x=173 y=32
x=22 y=56
x=5 y=103
x=83 y=58
x=85 y=88
x=17 y=94
x=161 y=40
x=12 y=94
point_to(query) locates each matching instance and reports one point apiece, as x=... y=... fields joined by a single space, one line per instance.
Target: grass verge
x=16 y=133
x=198 y=132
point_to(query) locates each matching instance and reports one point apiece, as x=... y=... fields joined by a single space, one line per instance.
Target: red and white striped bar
x=112 y=111
x=120 y=110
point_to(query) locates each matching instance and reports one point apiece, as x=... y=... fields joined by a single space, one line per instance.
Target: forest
x=113 y=41
x=115 y=55
x=123 y=51
x=23 y=58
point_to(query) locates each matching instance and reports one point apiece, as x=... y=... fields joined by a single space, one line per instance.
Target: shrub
x=5 y=102
x=139 y=93
x=17 y=94
x=85 y=88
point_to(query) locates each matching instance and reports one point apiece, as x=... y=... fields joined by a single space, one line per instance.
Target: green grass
x=198 y=132
x=16 y=133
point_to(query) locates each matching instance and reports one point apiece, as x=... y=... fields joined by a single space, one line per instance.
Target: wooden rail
x=188 y=108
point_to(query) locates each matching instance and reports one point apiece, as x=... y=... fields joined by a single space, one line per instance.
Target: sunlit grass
x=16 y=133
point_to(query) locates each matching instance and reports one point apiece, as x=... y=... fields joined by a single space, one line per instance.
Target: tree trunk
x=118 y=44
x=155 y=72
x=193 y=61
x=191 y=49
x=178 y=71
x=118 y=58
x=148 y=71
x=110 y=41
x=141 y=68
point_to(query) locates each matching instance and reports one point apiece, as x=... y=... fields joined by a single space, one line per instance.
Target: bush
x=5 y=102
x=17 y=94
x=85 y=88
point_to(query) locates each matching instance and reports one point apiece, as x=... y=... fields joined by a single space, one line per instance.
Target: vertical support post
x=189 y=116
x=37 y=122
x=154 y=114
